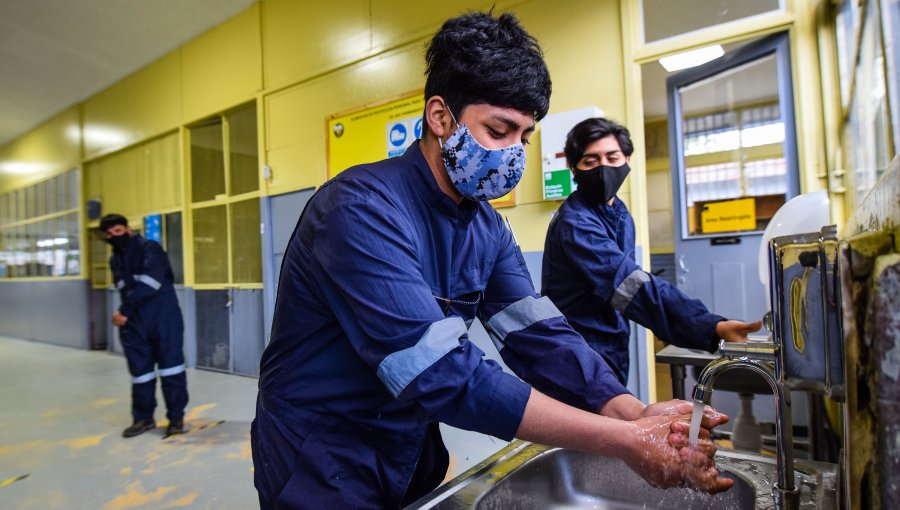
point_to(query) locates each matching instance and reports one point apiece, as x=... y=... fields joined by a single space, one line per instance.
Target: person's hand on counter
x=736 y=331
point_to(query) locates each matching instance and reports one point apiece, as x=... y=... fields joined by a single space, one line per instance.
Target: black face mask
x=119 y=242
x=601 y=183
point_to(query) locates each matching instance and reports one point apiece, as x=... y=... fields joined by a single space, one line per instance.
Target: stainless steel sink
x=529 y=476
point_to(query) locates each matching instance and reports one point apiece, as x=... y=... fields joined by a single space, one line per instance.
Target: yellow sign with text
x=729 y=216
x=373 y=132
x=378 y=131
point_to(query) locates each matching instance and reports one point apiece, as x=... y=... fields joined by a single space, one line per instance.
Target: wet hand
x=118 y=319
x=661 y=459
x=736 y=331
x=711 y=417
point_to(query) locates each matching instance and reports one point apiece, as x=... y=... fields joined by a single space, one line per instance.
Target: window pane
x=29 y=202
x=244 y=151
x=734 y=166
x=4 y=208
x=246 y=258
x=667 y=18
x=846 y=25
x=43 y=248
x=210 y=245
x=870 y=109
x=890 y=16
x=73 y=257
x=31 y=237
x=5 y=252
x=40 y=192
x=20 y=205
x=207 y=162
x=99 y=258
x=174 y=245
x=73 y=178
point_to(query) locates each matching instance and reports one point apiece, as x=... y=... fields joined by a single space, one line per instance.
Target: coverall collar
x=432 y=193
x=614 y=210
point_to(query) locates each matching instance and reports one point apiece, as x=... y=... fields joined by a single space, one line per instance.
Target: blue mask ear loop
x=441 y=142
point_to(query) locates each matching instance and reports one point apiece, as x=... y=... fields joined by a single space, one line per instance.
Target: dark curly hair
x=477 y=58
x=589 y=131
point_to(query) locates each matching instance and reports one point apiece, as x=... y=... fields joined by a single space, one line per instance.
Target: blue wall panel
x=54 y=312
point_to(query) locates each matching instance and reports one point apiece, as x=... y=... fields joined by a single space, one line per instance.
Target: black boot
x=139 y=427
x=176 y=426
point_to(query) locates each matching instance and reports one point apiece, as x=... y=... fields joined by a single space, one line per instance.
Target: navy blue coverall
x=589 y=272
x=154 y=333
x=369 y=348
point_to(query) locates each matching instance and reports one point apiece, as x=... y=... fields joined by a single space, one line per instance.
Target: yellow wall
x=304 y=60
x=143 y=105
x=295 y=134
x=49 y=149
x=222 y=68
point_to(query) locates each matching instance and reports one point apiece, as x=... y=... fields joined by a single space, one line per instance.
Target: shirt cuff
x=126 y=310
x=504 y=415
x=714 y=339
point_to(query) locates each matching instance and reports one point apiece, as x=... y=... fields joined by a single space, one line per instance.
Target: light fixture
x=692 y=58
x=24 y=167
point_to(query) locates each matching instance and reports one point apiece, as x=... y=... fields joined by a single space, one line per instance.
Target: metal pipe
x=787 y=496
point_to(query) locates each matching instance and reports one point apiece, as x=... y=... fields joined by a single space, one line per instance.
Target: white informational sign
x=558 y=183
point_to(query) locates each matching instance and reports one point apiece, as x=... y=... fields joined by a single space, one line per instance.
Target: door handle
x=681 y=264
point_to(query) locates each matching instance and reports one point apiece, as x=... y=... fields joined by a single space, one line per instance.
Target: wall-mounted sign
x=558 y=183
x=728 y=216
x=377 y=131
x=373 y=132
x=153 y=227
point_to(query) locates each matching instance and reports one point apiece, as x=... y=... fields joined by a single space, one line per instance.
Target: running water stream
x=696 y=417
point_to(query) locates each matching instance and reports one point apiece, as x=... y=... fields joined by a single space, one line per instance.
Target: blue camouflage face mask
x=479 y=173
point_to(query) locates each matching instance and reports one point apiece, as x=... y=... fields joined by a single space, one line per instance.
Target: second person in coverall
x=589 y=270
x=150 y=324
x=389 y=264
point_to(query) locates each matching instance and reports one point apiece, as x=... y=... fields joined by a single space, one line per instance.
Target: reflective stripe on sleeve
x=120 y=284
x=164 y=372
x=520 y=315
x=148 y=280
x=629 y=287
x=398 y=369
x=143 y=378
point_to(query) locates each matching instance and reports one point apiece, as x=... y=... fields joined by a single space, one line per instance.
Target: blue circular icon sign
x=398 y=135
x=417 y=130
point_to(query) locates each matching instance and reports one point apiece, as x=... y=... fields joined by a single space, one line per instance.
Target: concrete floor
x=63 y=412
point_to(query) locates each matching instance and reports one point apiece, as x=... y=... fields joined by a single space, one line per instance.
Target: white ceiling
x=55 y=53
x=745 y=87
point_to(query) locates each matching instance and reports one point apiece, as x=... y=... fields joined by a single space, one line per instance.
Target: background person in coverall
x=150 y=325
x=589 y=270
x=389 y=264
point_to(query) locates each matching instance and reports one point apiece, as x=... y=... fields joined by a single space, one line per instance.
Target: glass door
x=734 y=160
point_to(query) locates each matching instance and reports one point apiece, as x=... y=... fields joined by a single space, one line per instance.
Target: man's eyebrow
x=510 y=123
x=598 y=154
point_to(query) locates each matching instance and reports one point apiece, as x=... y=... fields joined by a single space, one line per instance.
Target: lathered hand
x=661 y=458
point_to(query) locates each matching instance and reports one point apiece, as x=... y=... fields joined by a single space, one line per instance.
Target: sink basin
x=572 y=479
x=531 y=476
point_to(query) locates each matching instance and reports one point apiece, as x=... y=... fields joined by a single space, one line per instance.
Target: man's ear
x=438 y=117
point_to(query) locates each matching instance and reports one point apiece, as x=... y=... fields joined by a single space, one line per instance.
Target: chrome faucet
x=762 y=358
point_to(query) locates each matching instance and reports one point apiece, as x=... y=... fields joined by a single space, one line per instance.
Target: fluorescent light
x=105 y=136
x=24 y=167
x=691 y=58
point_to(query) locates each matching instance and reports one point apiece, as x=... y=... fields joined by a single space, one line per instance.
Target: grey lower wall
x=54 y=312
